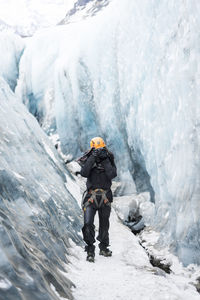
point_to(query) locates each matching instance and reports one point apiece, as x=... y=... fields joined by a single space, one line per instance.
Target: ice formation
x=11 y=49
x=38 y=215
x=130 y=74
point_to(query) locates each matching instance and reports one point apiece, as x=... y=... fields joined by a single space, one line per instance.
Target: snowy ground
x=128 y=274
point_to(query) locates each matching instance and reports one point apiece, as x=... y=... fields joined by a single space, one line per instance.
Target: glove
x=95 y=153
x=100 y=154
x=103 y=154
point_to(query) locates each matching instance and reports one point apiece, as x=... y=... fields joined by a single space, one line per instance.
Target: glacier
x=11 y=50
x=39 y=218
x=131 y=75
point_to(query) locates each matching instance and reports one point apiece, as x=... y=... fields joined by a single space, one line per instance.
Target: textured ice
x=11 y=49
x=132 y=75
x=38 y=215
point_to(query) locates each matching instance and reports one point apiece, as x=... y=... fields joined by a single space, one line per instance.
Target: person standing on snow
x=98 y=166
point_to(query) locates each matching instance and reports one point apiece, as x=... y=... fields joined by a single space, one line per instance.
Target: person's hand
x=100 y=154
x=95 y=153
x=103 y=154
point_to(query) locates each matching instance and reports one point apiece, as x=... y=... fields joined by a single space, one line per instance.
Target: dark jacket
x=99 y=175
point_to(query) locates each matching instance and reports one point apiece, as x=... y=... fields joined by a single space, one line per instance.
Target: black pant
x=89 y=228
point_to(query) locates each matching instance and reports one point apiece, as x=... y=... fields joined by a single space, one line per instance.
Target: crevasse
x=130 y=74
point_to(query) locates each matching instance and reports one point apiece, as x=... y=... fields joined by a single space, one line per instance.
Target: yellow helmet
x=97 y=142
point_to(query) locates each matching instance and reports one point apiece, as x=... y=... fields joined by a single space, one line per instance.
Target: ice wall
x=38 y=216
x=52 y=96
x=11 y=49
x=130 y=74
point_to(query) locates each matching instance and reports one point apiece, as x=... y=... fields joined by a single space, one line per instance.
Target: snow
x=49 y=151
x=5 y=284
x=128 y=274
x=129 y=205
x=27 y=16
x=57 y=294
x=18 y=175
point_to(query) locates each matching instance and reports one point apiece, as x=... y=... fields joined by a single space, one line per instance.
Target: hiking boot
x=105 y=252
x=90 y=257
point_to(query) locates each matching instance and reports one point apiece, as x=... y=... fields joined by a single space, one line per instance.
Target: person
x=98 y=166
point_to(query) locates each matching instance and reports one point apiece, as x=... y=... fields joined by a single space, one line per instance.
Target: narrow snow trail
x=126 y=275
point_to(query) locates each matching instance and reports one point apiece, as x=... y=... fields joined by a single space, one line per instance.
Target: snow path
x=126 y=275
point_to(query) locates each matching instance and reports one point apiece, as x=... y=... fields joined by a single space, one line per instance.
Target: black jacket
x=99 y=175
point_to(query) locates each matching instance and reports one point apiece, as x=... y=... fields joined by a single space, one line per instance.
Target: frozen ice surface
x=38 y=215
x=130 y=207
x=11 y=49
x=130 y=74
